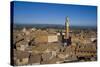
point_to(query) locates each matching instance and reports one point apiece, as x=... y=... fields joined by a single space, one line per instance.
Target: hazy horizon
x=50 y=24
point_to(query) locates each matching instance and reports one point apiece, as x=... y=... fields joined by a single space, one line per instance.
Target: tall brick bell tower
x=67 y=33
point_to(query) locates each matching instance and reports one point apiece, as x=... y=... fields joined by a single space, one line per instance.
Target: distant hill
x=55 y=26
x=18 y=26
